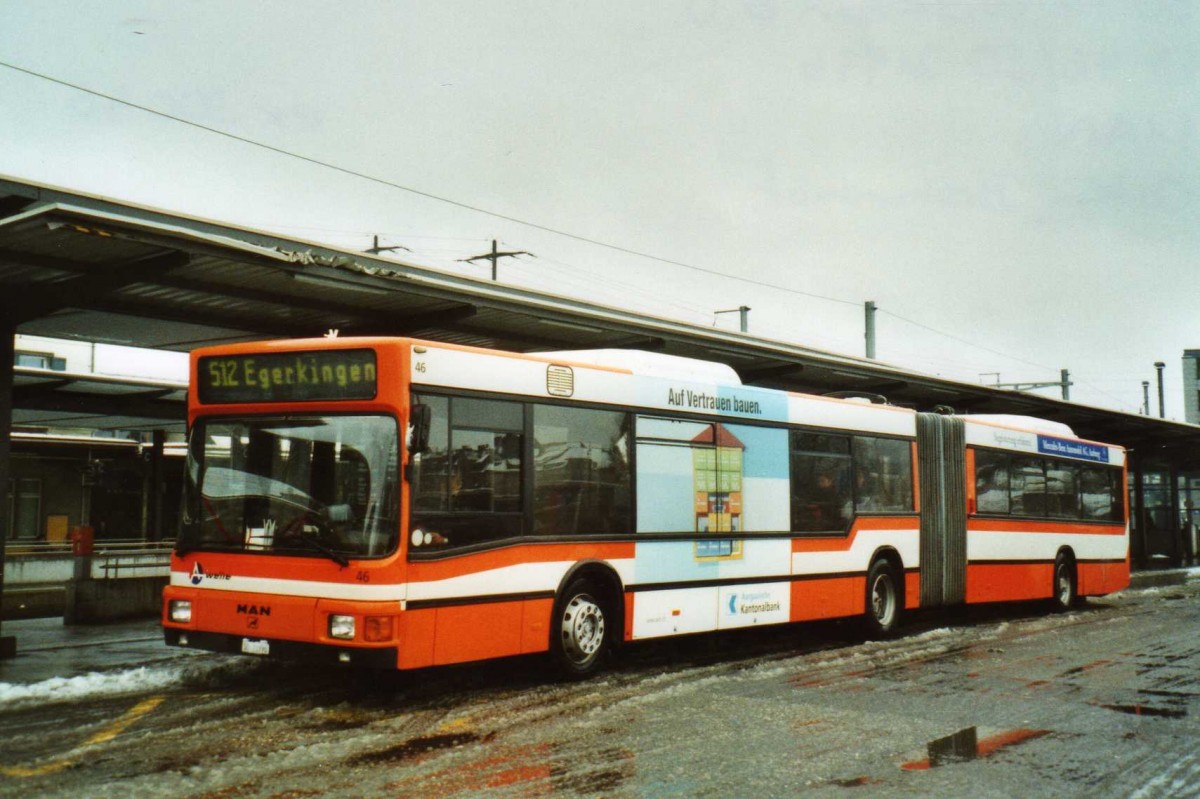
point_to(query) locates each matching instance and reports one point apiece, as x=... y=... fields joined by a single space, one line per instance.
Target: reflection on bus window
x=581 y=473
x=882 y=475
x=991 y=482
x=1096 y=493
x=1028 y=487
x=1062 y=497
x=822 y=498
x=302 y=485
x=1019 y=485
x=467 y=484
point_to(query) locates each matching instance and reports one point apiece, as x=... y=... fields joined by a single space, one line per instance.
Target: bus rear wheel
x=1065 y=595
x=581 y=631
x=884 y=603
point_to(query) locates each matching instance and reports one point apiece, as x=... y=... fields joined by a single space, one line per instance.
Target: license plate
x=256 y=646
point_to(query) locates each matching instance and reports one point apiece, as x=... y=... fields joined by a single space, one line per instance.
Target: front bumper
x=279 y=649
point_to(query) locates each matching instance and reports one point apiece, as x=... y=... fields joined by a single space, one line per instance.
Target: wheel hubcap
x=883 y=600
x=582 y=629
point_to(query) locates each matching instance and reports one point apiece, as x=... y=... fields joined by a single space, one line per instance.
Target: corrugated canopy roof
x=80 y=267
x=47 y=398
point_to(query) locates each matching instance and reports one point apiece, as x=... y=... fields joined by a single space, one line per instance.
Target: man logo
x=197 y=573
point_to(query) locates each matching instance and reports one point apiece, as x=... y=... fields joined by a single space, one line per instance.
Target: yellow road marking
x=49 y=768
x=457 y=725
x=118 y=726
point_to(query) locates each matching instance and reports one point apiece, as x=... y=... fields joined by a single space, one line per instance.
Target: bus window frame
x=217 y=415
x=528 y=402
x=1120 y=489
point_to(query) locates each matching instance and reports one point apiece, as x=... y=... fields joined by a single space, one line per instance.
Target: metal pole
x=156 y=485
x=1066 y=383
x=1159 y=366
x=494 y=256
x=1137 y=510
x=870 y=319
x=1146 y=397
x=742 y=310
x=8 y=644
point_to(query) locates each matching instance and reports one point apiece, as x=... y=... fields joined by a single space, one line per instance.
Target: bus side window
x=1062 y=498
x=467 y=483
x=430 y=481
x=1028 y=483
x=1099 y=493
x=991 y=482
x=882 y=475
x=820 y=478
x=581 y=479
x=676 y=466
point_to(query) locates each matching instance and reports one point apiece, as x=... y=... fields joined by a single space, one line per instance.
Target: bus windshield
x=320 y=486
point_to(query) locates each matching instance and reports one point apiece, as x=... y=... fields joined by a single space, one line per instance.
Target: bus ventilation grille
x=560 y=381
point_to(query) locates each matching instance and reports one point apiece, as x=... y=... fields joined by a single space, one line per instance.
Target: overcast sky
x=1016 y=184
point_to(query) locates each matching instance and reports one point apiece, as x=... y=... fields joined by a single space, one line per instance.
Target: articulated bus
x=401 y=504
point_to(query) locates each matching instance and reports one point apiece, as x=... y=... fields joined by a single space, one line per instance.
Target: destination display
x=287 y=377
x=1049 y=445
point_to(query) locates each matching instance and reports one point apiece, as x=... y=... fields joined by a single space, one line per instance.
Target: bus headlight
x=341 y=626
x=180 y=611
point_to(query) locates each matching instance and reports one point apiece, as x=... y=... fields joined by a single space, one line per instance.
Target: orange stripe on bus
x=420 y=571
x=842 y=543
x=1039 y=526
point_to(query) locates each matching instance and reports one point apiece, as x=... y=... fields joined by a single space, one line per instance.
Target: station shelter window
x=24 y=508
x=39 y=360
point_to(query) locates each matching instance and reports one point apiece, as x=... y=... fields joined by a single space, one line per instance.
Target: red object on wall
x=83 y=540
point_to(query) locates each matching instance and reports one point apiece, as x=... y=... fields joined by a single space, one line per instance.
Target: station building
x=75 y=463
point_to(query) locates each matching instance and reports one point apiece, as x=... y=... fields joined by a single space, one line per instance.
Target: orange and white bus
x=400 y=504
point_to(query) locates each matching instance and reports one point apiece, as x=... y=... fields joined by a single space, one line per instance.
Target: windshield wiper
x=327 y=551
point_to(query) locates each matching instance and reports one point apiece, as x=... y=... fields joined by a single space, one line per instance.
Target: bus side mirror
x=420 y=419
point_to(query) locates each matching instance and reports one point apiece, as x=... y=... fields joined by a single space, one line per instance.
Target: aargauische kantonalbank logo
x=198 y=574
x=755 y=602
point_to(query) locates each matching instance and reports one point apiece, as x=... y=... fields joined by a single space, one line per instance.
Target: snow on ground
x=113 y=683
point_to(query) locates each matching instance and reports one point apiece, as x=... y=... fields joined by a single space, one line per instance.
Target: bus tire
x=581 y=630
x=884 y=600
x=1065 y=594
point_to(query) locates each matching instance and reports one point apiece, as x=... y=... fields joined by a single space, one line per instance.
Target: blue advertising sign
x=1065 y=448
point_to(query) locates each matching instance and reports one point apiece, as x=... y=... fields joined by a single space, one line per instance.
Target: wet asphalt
x=996 y=702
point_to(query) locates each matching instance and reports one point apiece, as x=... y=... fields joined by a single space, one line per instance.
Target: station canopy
x=43 y=398
x=80 y=267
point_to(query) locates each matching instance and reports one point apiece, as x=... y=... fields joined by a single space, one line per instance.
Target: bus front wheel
x=581 y=630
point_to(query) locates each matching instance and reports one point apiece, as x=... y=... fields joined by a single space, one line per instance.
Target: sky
x=1015 y=184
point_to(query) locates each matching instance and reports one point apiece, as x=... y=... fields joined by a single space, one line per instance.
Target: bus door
x=942 y=467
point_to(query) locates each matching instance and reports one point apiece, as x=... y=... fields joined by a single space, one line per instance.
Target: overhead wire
x=495 y=214
x=410 y=189
x=964 y=341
